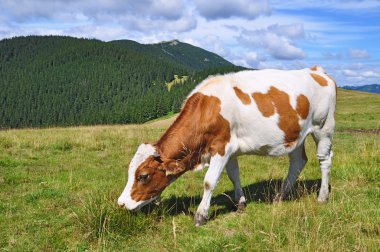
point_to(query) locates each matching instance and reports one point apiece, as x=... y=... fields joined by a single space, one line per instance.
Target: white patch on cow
x=198 y=168
x=143 y=152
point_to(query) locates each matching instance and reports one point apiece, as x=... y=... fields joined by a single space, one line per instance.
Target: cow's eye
x=143 y=177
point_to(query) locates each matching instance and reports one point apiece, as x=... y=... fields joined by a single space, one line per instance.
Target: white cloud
x=271 y=65
x=191 y=41
x=360 y=74
x=277 y=41
x=354 y=73
x=350 y=73
x=101 y=19
x=241 y=62
x=183 y=24
x=370 y=74
x=327 y=4
x=237 y=8
x=332 y=56
x=357 y=54
x=254 y=57
x=249 y=59
x=292 y=31
x=351 y=54
x=27 y=9
x=98 y=32
x=216 y=45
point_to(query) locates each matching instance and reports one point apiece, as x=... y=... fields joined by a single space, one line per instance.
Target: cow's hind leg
x=233 y=173
x=298 y=160
x=323 y=140
x=217 y=164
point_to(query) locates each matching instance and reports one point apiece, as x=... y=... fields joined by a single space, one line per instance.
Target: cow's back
x=272 y=111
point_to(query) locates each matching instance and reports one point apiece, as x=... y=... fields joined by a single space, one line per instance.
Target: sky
x=341 y=36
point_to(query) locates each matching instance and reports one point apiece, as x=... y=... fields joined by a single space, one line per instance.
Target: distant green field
x=59 y=186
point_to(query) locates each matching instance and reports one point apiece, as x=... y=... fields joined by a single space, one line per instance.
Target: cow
x=261 y=112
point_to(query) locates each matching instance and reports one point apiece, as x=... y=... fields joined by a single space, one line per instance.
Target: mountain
x=372 y=88
x=60 y=81
x=189 y=56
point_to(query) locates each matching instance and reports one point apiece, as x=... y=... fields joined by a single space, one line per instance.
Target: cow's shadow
x=260 y=192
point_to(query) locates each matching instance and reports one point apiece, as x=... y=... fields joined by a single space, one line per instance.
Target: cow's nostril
x=121 y=205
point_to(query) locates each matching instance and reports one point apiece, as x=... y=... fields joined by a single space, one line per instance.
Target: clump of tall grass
x=9 y=162
x=63 y=145
x=5 y=143
x=100 y=218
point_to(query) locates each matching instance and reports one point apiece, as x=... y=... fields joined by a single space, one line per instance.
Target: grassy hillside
x=59 y=186
x=62 y=81
x=357 y=110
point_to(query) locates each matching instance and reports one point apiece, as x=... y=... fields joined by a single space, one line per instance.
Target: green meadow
x=59 y=187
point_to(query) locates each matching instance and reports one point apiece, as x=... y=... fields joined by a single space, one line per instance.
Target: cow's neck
x=198 y=130
x=182 y=142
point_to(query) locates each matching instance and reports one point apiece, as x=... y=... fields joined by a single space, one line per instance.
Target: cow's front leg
x=211 y=179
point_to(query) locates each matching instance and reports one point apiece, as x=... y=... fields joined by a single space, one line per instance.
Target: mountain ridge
x=189 y=56
x=370 y=88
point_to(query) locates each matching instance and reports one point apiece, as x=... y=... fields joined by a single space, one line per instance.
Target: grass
x=357 y=110
x=177 y=80
x=58 y=191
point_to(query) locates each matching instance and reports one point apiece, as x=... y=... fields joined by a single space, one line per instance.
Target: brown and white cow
x=266 y=112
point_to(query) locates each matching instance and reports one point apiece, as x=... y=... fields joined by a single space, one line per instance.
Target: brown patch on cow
x=278 y=100
x=303 y=106
x=314 y=68
x=319 y=79
x=244 y=98
x=207 y=186
x=264 y=104
x=199 y=129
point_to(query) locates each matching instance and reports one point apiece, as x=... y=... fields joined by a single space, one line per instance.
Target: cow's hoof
x=200 y=220
x=323 y=199
x=323 y=196
x=241 y=207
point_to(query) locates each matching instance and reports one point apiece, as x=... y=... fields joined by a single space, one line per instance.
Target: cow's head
x=149 y=174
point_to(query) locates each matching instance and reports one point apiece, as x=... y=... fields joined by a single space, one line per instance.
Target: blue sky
x=342 y=36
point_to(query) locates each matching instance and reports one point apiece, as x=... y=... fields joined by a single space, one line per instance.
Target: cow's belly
x=264 y=137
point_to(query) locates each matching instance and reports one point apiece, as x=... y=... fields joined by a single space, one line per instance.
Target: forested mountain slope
x=58 y=81
x=189 y=56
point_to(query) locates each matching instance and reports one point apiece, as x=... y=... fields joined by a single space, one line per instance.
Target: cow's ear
x=157 y=156
x=173 y=167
